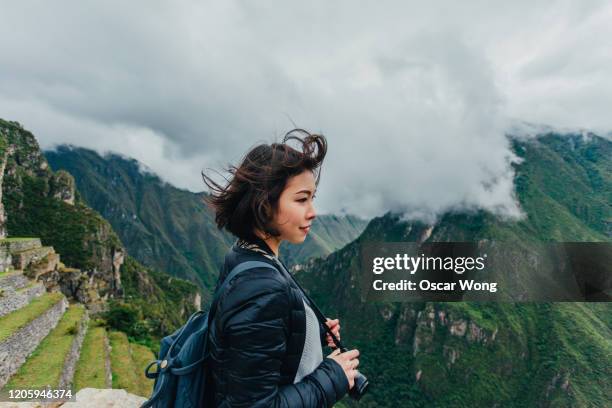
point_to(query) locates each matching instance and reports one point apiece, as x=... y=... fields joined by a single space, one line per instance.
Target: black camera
x=361 y=383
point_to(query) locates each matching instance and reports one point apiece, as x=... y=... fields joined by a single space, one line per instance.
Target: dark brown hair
x=249 y=200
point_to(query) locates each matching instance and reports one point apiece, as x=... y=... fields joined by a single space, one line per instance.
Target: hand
x=348 y=361
x=334 y=326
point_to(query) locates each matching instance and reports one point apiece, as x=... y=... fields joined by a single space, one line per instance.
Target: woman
x=265 y=340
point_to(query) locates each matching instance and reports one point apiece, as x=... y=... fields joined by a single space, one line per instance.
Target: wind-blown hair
x=249 y=200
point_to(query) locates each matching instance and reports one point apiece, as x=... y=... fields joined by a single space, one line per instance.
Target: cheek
x=291 y=215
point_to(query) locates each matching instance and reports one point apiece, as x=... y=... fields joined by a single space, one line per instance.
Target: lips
x=306 y=228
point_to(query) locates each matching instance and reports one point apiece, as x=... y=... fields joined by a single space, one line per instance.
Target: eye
x=302 y=200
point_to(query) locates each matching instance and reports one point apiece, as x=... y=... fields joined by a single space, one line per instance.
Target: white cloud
x=414 y=97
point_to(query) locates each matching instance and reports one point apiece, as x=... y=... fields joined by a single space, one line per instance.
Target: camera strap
x=315 y=309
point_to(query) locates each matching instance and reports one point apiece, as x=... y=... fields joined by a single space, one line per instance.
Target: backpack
x=182 y=378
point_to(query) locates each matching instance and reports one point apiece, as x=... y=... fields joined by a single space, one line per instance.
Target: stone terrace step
x=93 y=369
x=54 y=360
x=44 y=266
x=11 y=299
x=22 y=259
x=22 y=330
x=20 y=244
x=6 y=260
x=13 y=280
x=125 y=372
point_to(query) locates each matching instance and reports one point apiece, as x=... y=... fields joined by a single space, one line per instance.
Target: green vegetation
x=512 y=355
x=528 y=354
x=126 y=364
x=90 y=370
x=124 y=373
x=72 y=230
x=45 y=365
x=163 y=227
x=33 y=198
x=154 y=304
x=18 y=319
x=142 y=357
x=14 y=239
x=170 y=229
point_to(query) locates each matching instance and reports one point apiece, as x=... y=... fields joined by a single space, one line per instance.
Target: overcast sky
x=413 y=98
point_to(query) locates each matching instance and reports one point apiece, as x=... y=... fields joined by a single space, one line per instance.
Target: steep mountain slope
x=95 y=268
x=169 y=228
x=487 y=354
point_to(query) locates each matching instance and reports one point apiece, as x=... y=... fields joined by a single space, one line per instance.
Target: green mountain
x=426 y=354
x=43 y=210
x=478 y=354
x=161 y=226
x=169 y=228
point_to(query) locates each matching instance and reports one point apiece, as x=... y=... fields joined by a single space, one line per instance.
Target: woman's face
x=295 y=208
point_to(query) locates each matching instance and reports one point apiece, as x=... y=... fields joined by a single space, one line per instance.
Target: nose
x=311 y=214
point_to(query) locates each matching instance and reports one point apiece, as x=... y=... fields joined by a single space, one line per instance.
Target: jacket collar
x=255 y=244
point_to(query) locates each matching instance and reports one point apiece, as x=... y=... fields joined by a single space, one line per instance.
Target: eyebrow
x=304 y=191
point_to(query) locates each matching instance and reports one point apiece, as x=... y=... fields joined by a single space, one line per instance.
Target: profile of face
x=296 y=210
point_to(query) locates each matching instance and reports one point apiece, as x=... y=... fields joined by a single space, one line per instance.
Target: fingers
x=332 y=323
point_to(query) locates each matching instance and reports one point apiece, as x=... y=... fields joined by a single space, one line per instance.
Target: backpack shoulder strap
x=241 y=267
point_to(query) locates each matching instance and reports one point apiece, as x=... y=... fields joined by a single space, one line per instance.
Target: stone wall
x=15 y=349
x=10 y=246
x=73 y=355
x=11 y=299
x=14 y=280
x=107 y=363
x=19 y=245
x=22 y=260
x=6 y=260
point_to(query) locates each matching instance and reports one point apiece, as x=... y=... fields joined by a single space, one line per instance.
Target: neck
x=272 y=242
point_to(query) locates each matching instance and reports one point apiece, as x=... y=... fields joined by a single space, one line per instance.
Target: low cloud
x=414 y=99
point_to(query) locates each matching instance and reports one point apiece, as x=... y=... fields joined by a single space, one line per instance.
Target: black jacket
x=257 y=338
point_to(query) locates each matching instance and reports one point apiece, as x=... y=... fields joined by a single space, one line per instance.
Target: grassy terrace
x=90 y=371
x=128 y=373
x=18 y=319
x=124 y=374
x=44 y=366
x=142 y=356
x=15 y=239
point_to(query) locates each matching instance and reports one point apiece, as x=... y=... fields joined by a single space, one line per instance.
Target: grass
x=124 y=373
x=2 y=241
x=45 y=365
x=90 y=370
x=128 y=362
x=18 y=319
x=8 y=271
x=142 y=356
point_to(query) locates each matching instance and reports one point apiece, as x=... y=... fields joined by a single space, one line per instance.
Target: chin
x=298 y=240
